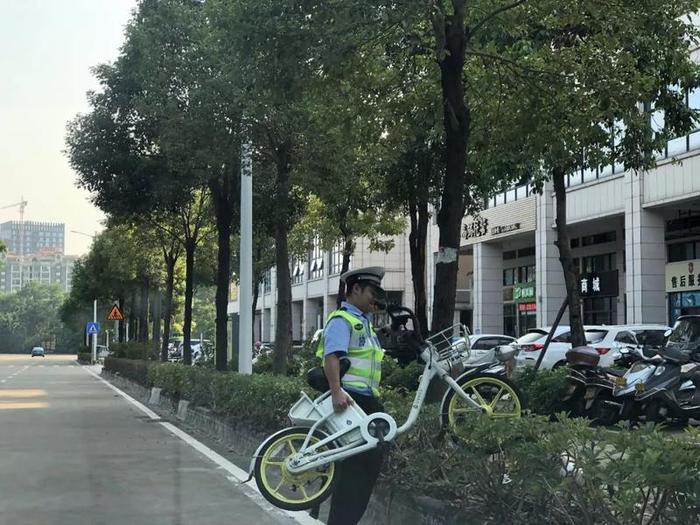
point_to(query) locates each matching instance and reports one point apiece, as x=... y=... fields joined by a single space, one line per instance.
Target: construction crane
x=22 y=204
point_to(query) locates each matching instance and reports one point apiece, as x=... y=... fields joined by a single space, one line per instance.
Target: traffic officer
x=349 y=334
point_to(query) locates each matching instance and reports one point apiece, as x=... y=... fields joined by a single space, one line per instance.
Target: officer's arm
x=331 y=366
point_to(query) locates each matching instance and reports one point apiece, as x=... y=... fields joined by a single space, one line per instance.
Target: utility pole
x=94 y=336
x=245 y=336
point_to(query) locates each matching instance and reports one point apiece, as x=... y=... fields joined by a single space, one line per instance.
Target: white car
x=606 y=339
x=482 y=344
x=38 y=351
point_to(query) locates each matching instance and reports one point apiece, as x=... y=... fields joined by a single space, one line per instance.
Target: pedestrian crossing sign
x=115 y=314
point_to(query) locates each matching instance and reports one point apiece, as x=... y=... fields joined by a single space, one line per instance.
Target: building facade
x=635 y=239
x=315 y=282
x=18 y=271
x=34 y=238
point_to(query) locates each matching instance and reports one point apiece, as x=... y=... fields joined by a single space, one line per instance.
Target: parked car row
x=609 y=341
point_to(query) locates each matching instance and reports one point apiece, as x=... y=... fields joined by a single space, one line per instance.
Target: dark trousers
x=356 y=476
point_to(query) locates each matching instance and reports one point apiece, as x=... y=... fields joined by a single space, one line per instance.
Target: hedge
x=527 y=471
x=85 y=357
x=134 y=369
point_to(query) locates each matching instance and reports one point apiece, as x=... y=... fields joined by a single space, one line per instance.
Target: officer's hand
x=341 y=400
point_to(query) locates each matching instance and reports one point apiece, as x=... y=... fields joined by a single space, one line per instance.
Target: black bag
x=316 y=377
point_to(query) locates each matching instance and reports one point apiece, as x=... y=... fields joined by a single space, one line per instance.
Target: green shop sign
x=524 y=292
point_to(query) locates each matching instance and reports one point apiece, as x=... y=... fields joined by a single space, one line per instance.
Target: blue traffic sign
x=93 y=328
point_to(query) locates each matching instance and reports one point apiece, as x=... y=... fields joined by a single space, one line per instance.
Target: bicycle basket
x=451 y=343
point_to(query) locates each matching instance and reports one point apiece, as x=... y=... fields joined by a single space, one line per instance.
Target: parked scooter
x=641 y=362
x=672 y=393
x=591 y=387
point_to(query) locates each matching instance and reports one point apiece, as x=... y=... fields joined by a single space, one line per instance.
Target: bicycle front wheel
x=287 y=490
x=497 y=396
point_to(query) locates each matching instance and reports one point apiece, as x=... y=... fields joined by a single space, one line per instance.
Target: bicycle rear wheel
x=287 y=490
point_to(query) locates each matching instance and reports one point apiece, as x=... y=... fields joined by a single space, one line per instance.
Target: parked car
x=38 y=351
x=481 y=344
x=608 y=340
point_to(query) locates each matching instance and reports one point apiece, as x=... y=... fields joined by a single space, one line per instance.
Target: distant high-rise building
x=18 y=271
x=33 y=238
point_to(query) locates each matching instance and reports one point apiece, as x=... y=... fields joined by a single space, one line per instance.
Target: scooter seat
x=615 y=372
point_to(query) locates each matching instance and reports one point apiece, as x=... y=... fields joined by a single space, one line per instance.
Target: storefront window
x=526 y=274
x=682 y=251
x=684 y=303
x=600 y=310
x=509 y=320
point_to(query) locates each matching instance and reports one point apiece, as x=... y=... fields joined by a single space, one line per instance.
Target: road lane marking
x=22 y=393
x=236 y=474
x=4 y=405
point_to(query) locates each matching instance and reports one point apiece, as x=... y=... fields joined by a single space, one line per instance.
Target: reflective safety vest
x=364 y=352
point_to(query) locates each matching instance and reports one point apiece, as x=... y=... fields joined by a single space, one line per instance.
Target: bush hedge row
x=537 y=469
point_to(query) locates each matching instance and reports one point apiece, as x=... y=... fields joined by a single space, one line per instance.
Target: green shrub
x=85 y=357
x=532 y=470
x=134 y=350
x=543 y=390
x=136 y=370
x=402 y=378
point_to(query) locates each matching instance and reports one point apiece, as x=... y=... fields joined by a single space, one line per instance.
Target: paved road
x=73 y=451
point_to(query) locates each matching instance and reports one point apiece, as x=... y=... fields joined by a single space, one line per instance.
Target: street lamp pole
x=245 y=336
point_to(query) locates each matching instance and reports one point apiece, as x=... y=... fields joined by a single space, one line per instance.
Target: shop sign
x=599 y=284
x=497 y=230
x=524 y=292
x=527 y=307
x=683 y=276
x=477 y=228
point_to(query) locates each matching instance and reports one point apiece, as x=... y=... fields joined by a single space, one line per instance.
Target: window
x=625 y=338
x=600 y=310
x=563 y=338
x=512 y=254
x=486 y=343
x=575 y=242
x=683 y=251
x=509 y=277
x=336 y=259
x=509 y=320
x=526 y=252
x=316 y=261
x=651 y=337
x=298 y=271
x=267 y=281
x=599 y=263
x=599 y=238
x=526 y=274
x=595 y=336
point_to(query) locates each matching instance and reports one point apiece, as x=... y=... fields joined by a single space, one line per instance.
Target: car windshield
x=595 y=336
x=686 y=331
x=532 y=336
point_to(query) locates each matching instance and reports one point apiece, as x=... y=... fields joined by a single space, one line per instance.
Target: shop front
x=599 y=292
x=683 y=288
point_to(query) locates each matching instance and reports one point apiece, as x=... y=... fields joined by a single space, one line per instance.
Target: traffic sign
x=93 y=328
x=115 y=314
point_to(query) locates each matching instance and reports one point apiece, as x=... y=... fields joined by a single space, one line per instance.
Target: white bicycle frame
x=354 y=437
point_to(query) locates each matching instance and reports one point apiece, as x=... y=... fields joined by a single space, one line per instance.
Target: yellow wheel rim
x=498 y=399
x=288 y=487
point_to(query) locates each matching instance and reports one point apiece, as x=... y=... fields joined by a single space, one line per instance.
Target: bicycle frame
x=310 y=456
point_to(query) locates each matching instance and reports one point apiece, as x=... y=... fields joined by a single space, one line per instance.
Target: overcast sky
x=47 y=48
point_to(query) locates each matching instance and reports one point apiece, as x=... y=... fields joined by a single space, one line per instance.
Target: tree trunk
x=122 y=324
x=348 y=248
x=456 y=122
x=189 y=292
x=155 y=320
x=142 y=336
x=168 y=306
x=563 y=242
x=283 y=328
x=221 y=194
x=131 y=336
x=417 y=244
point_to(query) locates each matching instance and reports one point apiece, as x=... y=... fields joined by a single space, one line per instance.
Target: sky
x=47 y=48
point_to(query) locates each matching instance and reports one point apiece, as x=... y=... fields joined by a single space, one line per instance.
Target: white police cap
x=372 y=275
